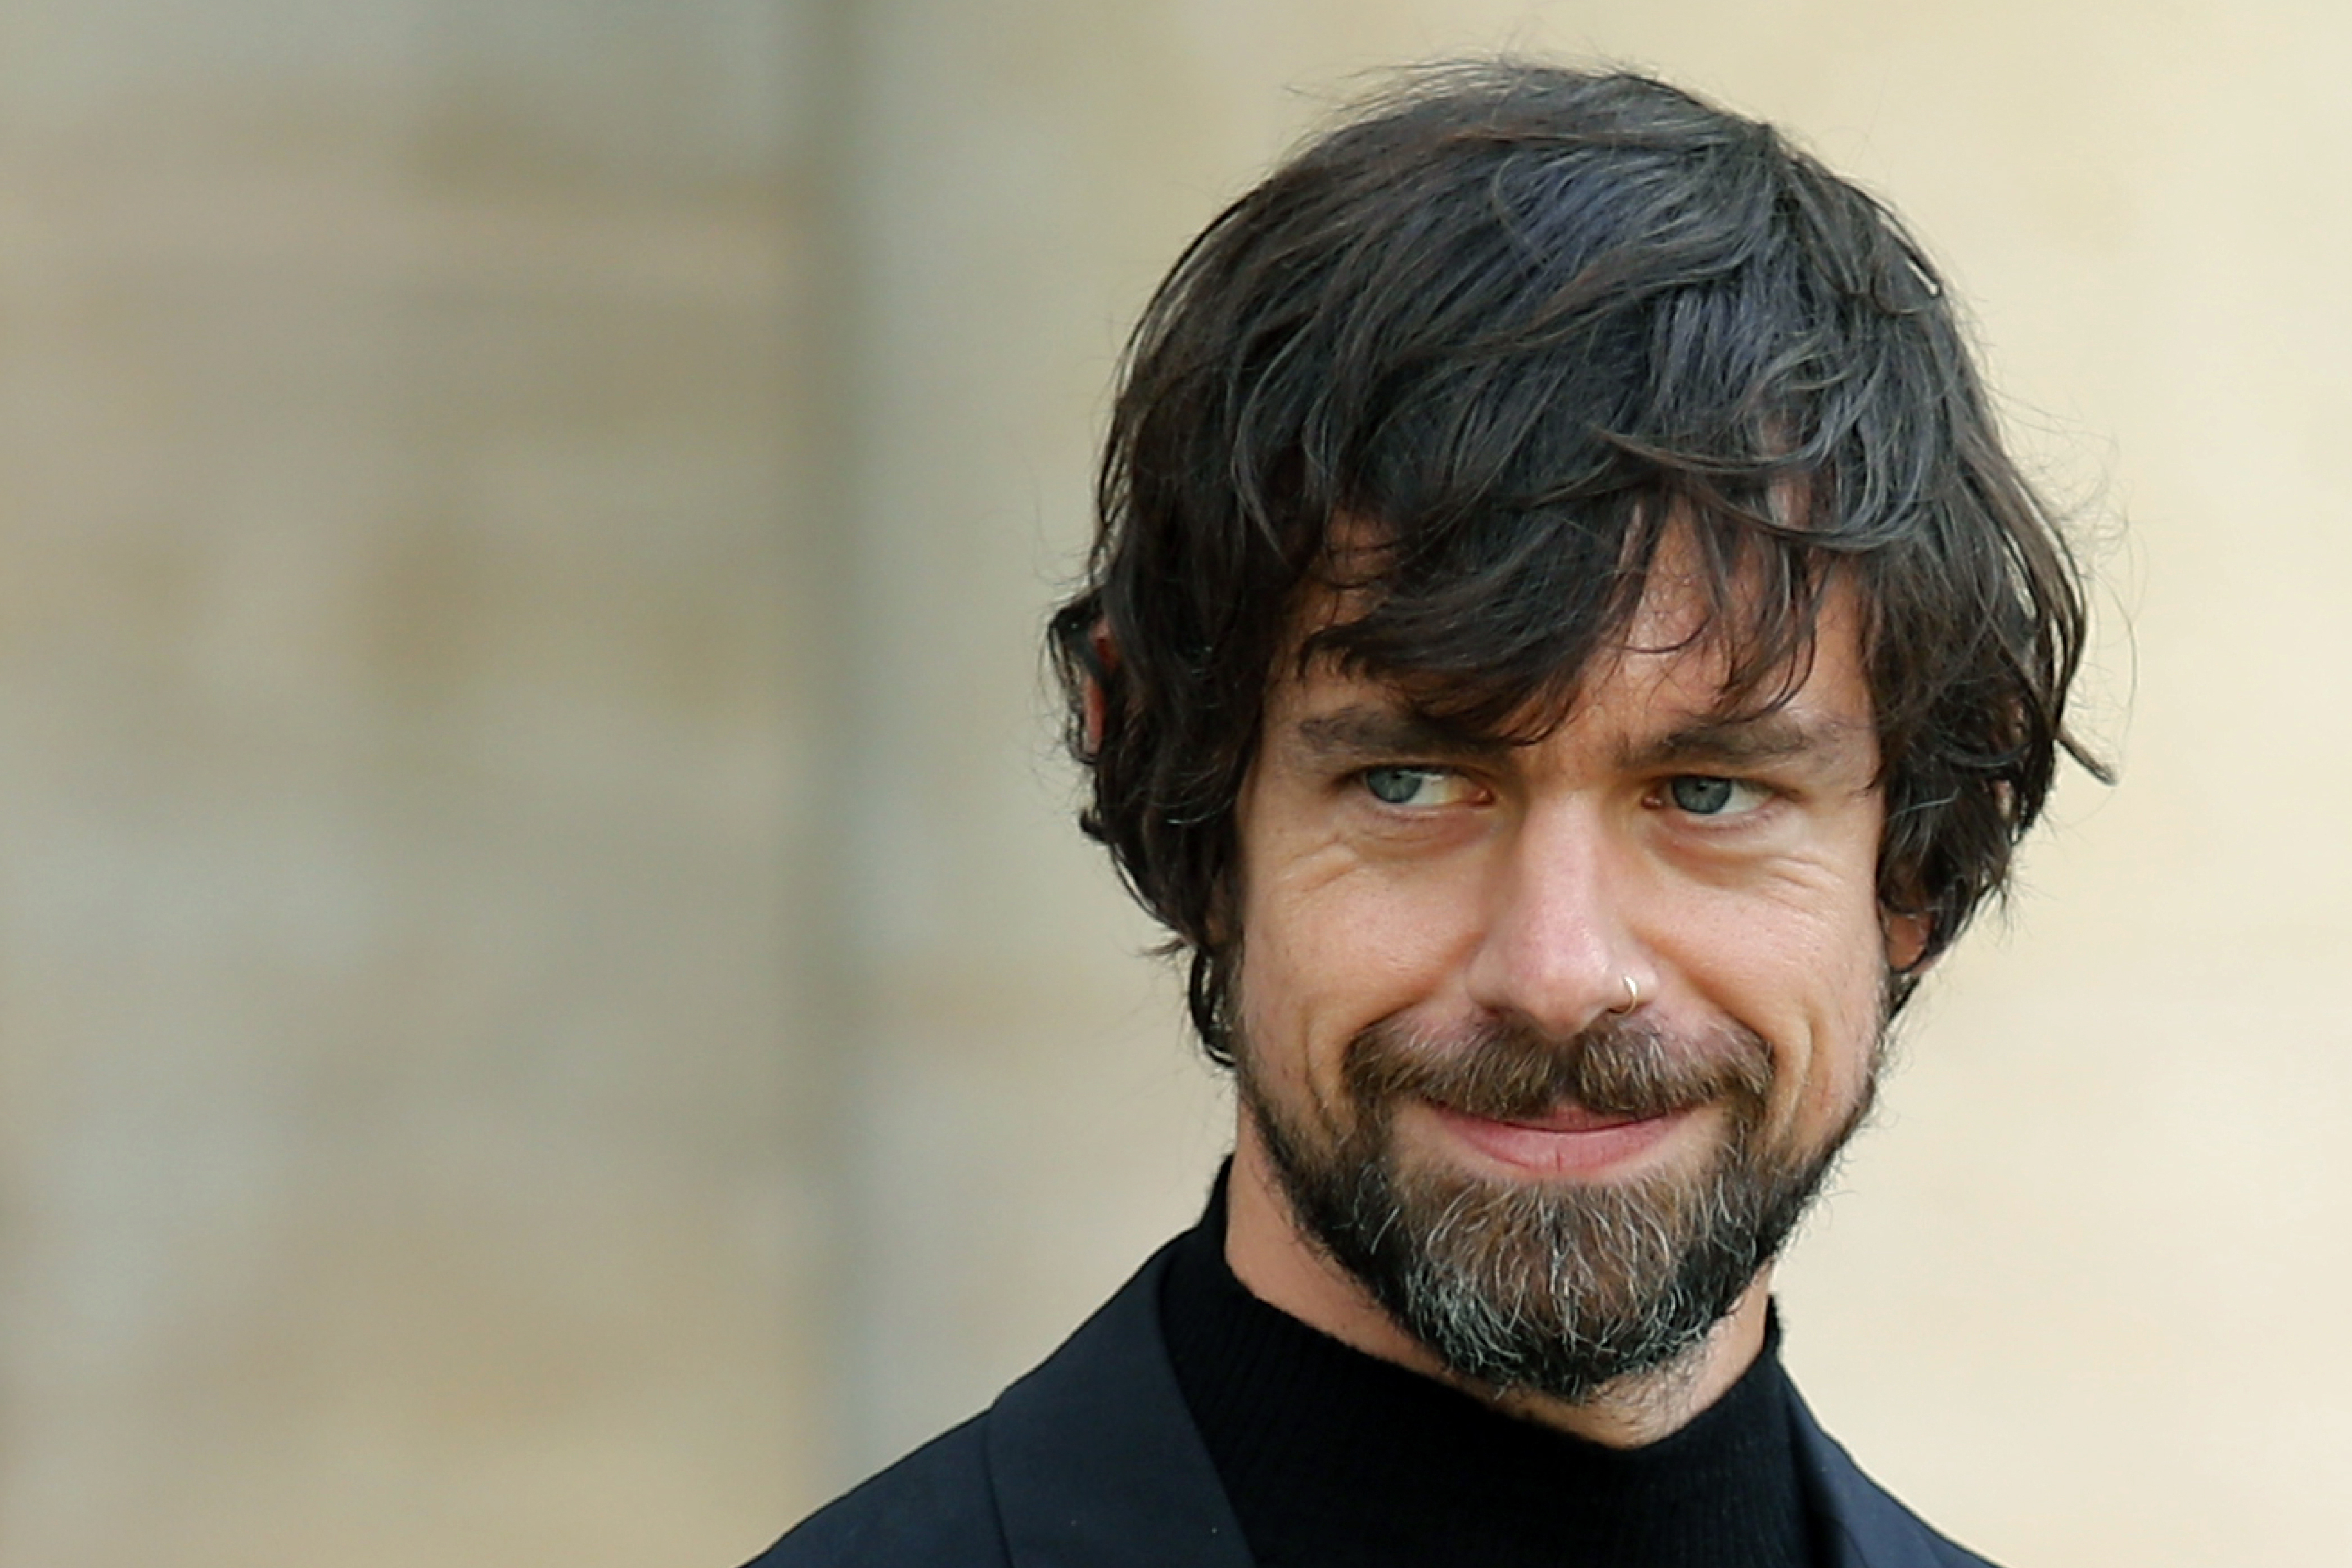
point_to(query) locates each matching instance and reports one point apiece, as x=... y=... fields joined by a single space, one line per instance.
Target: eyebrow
x=1745 y=741
x=1363 y=731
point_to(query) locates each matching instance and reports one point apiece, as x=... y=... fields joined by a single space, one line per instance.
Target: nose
x=1557 y=950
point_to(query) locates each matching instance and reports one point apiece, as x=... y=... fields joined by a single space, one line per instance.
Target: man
x=1564 y=651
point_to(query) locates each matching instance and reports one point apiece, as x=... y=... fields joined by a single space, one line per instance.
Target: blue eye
x=1699 y=794
x=1397 y=787
x=1705 y=794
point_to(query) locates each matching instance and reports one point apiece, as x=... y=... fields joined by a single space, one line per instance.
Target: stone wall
x=404 y=712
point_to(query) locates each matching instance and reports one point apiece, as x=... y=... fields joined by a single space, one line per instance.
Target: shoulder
x=1090 y=1461
x=1864 y=1525
x=934 y=1509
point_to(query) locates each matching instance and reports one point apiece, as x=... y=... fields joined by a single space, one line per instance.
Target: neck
x=1271 y=1254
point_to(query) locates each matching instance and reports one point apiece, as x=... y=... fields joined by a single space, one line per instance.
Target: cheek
x=1806 y=970
x=1840 y=1022
x=1331 y=945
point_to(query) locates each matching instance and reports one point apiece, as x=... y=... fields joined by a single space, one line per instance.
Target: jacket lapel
x=1095 y=1458
x=1862 y=1527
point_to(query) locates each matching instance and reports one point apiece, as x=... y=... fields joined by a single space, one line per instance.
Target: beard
x=1553 y=1288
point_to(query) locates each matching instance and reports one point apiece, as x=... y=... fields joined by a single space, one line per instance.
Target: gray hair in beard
x=1553 y=1288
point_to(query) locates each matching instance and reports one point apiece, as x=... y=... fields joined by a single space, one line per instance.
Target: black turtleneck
x=1333 y=1459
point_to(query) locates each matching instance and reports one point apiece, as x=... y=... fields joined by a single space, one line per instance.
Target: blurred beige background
x=549 y=1010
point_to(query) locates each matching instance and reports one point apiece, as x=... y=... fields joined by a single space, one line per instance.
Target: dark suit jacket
x=1092 y=1461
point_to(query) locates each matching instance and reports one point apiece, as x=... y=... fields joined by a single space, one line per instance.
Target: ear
x=1094 y=706
x=1906 y=939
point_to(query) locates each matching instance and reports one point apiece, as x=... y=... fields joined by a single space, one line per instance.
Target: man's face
x=1548 y=1044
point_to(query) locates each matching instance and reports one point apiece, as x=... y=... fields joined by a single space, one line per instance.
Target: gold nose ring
x=1633 y=996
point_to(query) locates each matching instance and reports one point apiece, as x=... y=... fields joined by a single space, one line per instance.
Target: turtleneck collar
x=1338 y=1459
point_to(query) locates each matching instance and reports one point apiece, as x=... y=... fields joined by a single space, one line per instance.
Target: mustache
x=1505 y=1071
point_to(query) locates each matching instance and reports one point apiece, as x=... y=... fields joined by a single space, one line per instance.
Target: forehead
x=1671 y=675
x=1676 y=657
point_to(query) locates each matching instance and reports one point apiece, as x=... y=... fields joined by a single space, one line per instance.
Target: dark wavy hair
x=1514 y=323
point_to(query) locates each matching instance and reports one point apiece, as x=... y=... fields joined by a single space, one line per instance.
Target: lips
x=1574 y=1119
x=1569 y=1141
